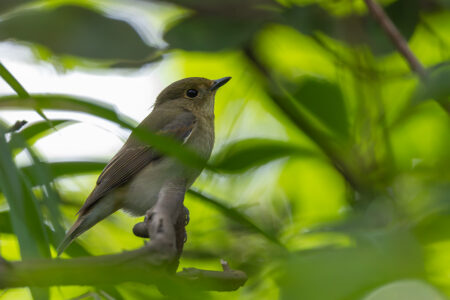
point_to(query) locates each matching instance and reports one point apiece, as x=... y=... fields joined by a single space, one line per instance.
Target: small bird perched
x=134 y=177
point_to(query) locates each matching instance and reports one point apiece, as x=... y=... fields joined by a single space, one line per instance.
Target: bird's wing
x=134 y=155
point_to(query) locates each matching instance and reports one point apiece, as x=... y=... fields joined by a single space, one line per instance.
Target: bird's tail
x=85 y=221
x=73 y=232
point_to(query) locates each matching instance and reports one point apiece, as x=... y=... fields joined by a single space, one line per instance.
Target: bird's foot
x=186 y=213
x=149 y=215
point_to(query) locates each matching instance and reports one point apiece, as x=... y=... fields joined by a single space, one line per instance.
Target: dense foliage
x=330 y=177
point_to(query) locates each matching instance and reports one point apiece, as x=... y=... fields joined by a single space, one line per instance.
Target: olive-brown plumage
x=133 y=178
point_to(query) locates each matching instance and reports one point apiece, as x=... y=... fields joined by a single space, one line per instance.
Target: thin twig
x=17 y=126
x=396 y=37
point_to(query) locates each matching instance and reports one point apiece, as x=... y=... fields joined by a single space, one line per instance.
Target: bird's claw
x=186 y=213
x=149 y=215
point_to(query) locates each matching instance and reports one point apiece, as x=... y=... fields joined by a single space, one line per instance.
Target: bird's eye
x=191 y=93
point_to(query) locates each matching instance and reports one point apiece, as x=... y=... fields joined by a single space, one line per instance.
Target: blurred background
x=331 y=175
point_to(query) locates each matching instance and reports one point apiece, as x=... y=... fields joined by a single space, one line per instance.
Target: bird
x=133 y=178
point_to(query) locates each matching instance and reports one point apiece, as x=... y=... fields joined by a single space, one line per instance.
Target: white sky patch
x=131 y=92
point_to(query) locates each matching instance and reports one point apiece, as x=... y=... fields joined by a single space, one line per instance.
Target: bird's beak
x=218 y=83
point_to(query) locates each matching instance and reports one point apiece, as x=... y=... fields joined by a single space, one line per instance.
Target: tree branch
x=396 y=37
x=136 y=266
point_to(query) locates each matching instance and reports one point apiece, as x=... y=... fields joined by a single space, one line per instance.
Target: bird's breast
x=202 y=138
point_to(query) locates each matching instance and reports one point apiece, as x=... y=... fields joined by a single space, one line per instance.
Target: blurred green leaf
x=10 y=4
x=349 y=273
x=324 y=100
x=77 y=31
x=62 y=169
x=16 y=86
x=235 y=215
x=355 y=30
x=331 y=145
x=406 y=289
x=219 y=25
x=75 y=250
x=26 y=218
x=242 y=155
x=33 y=132
x=230 y=8
x=5 y=222
x=68 y=168
x=311 y=18
x=60 y=102
x=12 y=82
x=436 y=88
x=49 y=195
x=211 y=33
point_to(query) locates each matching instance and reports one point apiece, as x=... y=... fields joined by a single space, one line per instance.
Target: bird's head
x=193 y=92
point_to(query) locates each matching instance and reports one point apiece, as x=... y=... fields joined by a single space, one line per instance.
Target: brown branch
x=396 y=37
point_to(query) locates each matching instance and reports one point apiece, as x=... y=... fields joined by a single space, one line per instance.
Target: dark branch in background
x=402 y=46
x=396 y=37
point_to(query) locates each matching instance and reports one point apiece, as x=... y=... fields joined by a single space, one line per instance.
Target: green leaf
x=235 y=215
x=355 y=30
x=67 y=168
x=230 y=8
x=77 y=31
x=16 y=86
x=245 y=154
x=10 y=4
x=324 y=100
x=436 y=88
x=211 y=33
x=332 y=146
x=311 y=18
x=406 y=289
x=12 y=82
x=5 y=222
x=349 y=273
x=33 y=132
x=49 y=194
x=75 y=250
x=164 y=144
x=26 y=218
x=219 y=25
